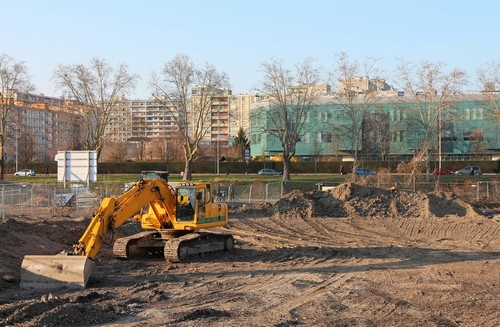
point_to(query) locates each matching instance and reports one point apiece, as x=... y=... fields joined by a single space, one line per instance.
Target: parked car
x=443 y=171
x=365 y=172
x=25 y=172
x=470 y=170
x=268 y=172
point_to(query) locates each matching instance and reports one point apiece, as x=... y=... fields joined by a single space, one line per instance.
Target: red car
x=442 y=171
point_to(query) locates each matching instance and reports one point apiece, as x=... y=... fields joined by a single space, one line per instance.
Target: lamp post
x=439 y=139
x=216 y=131
x=16 y=148
x=218 y=150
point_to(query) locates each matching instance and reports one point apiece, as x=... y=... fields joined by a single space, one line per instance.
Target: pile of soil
x=353 y=200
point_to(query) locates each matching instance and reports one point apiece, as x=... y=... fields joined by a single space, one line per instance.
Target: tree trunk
x=286 y=168
x=187 y=171
x=2 y=163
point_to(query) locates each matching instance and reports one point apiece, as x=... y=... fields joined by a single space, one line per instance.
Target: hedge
x=209 y=167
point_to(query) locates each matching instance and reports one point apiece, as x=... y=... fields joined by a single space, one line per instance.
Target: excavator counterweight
x=169 y=213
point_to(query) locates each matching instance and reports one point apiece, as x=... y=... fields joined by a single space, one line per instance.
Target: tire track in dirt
x=483 y=233
x=262 y=228
x=373 y=233
x=297 y=225
x=303 y=228
x=262 y=234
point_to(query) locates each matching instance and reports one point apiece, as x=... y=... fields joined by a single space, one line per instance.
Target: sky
x=237 y=36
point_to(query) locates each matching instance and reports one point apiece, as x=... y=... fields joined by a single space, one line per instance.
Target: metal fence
x=42 y=200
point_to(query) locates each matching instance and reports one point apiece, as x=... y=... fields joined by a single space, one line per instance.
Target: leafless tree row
x=188 y=91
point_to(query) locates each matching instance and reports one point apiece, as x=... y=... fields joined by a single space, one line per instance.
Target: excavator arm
x=113 y=212
x=74 y=268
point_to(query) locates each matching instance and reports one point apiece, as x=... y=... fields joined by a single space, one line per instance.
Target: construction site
x=354 y=255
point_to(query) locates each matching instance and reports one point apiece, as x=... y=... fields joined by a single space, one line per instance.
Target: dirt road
x=354 y=256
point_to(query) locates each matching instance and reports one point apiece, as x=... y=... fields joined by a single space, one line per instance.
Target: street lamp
x=218 y=149
x=439 y=139
x=217 y=135
x=16 y=146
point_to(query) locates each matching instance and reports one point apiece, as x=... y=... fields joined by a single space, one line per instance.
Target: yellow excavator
x=171 y=214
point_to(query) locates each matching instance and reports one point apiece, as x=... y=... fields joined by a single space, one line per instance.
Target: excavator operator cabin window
x=185 y=204
x=208 y=194
x=201 y=195
x=201 y=203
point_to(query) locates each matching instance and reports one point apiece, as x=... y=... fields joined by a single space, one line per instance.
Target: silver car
x=470 y=170
x=25 y=172
x=268 y=172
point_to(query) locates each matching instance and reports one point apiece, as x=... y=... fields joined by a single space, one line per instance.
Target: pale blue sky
x=237 y=36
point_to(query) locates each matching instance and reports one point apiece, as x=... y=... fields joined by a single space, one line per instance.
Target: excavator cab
x=152 y=174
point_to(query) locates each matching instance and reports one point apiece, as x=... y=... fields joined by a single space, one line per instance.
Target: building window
x=324 y=137
x=398 y=136
x=307 y=138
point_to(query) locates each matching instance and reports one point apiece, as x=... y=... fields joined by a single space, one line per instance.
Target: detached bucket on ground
x=52 y=271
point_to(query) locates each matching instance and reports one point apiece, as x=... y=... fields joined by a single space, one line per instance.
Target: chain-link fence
x=473 y=191
x=42 y=200
x=45 y=200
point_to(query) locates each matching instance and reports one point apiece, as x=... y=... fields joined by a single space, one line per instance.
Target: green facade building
x=387 y=127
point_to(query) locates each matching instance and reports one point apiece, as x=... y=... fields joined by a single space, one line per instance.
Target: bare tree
x=141 y=149
x=431 y=90
x=355 y=92
x=317 y=151
x=27 y=150
x=100 y=89
x=477 y=143
x=488 y=76
x=115 y=151
x=174 y=86
x=13 y=78
x=174 y=150
x=291 y=96
x=376 y=132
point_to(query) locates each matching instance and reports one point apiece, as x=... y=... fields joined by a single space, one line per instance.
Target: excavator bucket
x=52 y=271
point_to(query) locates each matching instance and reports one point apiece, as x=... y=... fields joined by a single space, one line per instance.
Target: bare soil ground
x=353 y=256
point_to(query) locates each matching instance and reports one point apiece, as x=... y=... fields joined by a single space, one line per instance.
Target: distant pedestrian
x=47 y=171
x=341 y=170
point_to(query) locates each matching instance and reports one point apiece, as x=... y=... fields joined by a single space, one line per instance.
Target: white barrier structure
x=76 y=166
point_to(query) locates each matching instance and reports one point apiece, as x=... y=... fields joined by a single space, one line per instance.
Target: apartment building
x=39 y=126
x=363 y=85
x=239 y=112
x=142 y=119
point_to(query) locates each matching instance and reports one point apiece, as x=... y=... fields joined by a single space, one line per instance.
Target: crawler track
x=176 y=246
x=195 y=245
x=123 y=245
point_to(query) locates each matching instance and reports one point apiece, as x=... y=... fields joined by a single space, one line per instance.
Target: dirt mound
x=252 y=209
x=21 y=235
x=354 y=200
x=310 y=204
